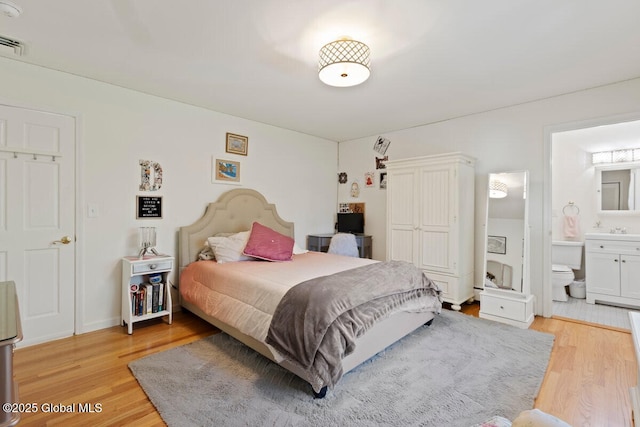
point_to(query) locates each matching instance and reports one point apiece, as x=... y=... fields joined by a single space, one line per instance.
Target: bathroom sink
x=612 y=236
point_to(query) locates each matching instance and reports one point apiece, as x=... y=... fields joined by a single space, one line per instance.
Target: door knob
x=65 y=240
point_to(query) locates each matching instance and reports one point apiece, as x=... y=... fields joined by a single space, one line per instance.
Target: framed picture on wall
x=497 y=245
x=226 y=171
x=237 y=144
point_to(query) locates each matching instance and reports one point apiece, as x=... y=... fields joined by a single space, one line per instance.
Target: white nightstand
x=136 y=287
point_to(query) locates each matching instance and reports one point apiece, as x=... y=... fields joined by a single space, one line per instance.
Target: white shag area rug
x=459 y=371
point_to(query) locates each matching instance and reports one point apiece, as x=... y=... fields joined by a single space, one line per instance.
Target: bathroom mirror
x=618 y=188
x=507 y=232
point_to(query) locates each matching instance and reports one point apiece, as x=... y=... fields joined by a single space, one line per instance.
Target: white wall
x=118 y=127
x=574 y=179
x=507 y=139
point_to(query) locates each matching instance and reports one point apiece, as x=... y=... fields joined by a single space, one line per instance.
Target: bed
x=244 y=298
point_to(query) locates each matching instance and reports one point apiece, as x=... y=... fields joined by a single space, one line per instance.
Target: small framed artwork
x=369 y=179
x=380 y=162
x=237 y=144
x=497 y=245
x=148 y=207
x=381 y=145
x=383 y=180
x=226 y=171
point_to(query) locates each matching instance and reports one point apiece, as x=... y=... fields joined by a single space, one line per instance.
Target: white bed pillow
x=229 y=248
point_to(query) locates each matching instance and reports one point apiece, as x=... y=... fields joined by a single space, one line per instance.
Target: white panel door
x=37 y=205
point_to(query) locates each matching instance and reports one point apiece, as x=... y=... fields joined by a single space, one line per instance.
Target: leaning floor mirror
x=507 y=233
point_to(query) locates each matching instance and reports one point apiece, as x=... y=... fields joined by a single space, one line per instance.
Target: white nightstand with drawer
x=146 y=293
x=507 y=307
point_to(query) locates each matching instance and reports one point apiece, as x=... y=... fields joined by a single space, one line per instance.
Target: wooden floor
x=586 y=384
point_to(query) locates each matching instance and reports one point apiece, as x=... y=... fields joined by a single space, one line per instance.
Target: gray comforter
x=316 y=323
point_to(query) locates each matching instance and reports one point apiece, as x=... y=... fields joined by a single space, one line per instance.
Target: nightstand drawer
x=152 y=266
x=504 y=307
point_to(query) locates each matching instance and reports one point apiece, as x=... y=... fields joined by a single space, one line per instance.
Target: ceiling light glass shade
x=615 y=156
x=602 y=157
x=9 y=9
x=623 y=156
x=344 y=63
x=497 y=190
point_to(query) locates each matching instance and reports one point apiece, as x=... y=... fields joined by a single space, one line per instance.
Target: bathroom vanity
x=613 y=268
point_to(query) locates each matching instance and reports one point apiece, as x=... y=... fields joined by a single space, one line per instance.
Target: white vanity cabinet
x=613 y=268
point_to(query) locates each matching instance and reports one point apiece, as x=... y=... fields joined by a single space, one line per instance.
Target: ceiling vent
x=10 y=46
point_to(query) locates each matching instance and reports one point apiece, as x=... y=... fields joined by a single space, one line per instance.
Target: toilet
x=566 y=256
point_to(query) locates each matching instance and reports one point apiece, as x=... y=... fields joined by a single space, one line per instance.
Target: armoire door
x=437 y=219
x=402 y=210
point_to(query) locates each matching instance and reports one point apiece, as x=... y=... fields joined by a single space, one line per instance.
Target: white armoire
x=430 y=220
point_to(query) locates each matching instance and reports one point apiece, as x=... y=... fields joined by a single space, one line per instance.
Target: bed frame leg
x=320 y=394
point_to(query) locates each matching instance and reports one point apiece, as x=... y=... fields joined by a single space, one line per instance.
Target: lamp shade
x=497 y=190
x=344 y=63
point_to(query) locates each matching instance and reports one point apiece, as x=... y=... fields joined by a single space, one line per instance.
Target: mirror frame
x=599 y=168
x=526 y=239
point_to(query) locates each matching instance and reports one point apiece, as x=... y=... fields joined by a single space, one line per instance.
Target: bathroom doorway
x=572 y=182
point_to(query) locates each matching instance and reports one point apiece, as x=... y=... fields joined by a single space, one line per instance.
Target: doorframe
x=547 y=301
x=78 y=197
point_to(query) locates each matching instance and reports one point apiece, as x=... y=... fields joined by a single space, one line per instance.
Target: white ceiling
x=431 y=60
x=603 y=138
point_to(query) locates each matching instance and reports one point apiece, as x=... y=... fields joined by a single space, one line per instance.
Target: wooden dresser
x=10 y=334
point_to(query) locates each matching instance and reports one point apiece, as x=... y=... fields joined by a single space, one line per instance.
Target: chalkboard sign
x=149 y=207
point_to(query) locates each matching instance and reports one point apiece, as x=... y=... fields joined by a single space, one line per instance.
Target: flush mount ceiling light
x=497 y=190
x=9 y=9
x=344 y=63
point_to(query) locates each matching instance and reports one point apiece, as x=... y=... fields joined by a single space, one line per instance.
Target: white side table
x=141 y=299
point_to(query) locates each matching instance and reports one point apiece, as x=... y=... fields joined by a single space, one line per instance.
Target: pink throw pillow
x=265 y=243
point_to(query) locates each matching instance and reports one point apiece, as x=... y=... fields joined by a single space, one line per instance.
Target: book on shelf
x=154 y=297
x=147 y=298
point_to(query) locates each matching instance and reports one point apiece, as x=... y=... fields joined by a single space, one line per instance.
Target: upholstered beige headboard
x=234 y=211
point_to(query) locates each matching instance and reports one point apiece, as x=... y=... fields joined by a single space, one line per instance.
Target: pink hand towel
x=571 y=226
